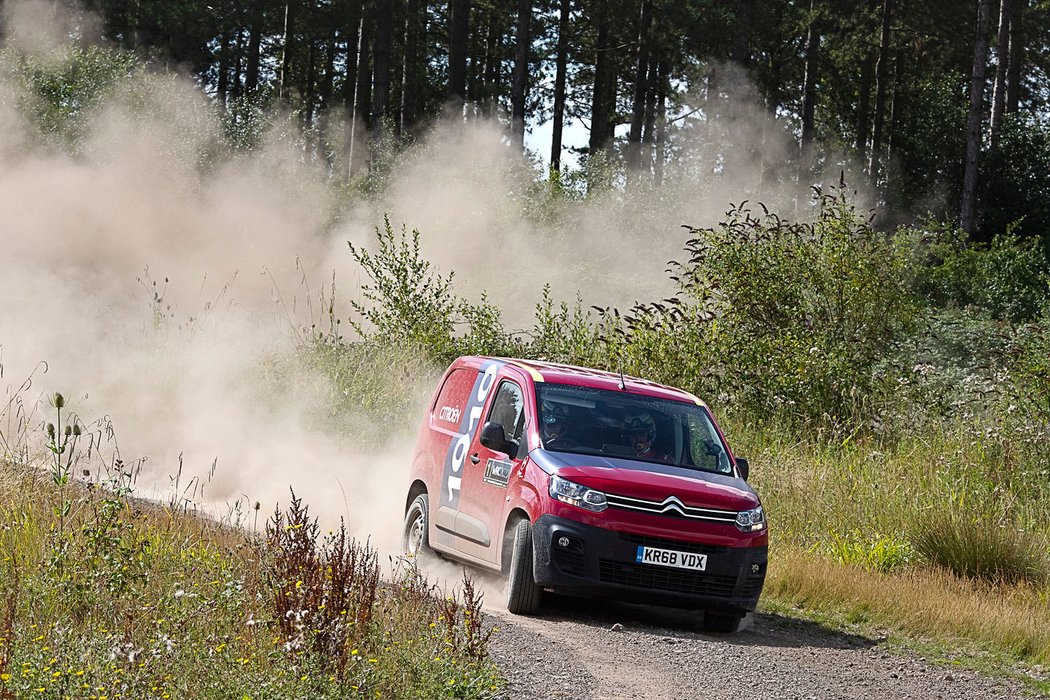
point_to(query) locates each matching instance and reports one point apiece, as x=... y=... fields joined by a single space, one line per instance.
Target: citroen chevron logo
x=672 y=503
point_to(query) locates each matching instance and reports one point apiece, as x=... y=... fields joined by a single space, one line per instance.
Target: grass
x=994 y=628
x=940 y=537
x=102 y=596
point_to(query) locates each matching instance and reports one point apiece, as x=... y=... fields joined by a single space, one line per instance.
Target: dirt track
x=572 y=651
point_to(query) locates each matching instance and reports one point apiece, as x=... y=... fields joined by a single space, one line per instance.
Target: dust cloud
x=150 y=276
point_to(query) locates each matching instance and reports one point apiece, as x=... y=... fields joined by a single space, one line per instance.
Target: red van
x=586 y=482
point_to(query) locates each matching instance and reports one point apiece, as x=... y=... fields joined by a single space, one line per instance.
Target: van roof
x=556 y=373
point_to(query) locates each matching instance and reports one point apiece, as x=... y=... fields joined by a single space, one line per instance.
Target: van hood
x=649 y=481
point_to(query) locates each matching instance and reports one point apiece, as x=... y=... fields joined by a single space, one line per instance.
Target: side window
x=706 y=447
x=508 y=408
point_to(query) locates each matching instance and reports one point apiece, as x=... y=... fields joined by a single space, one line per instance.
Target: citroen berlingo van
x=586 y=482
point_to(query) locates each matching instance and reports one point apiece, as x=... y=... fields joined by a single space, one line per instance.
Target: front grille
x=673 y=507
x=666 y=579
x=676 y=545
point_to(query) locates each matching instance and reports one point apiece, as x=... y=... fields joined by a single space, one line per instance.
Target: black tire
x=415 y=537
x=722 y=622
x=523 y=595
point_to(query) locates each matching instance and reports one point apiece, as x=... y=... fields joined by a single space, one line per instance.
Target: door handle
x=474 y=458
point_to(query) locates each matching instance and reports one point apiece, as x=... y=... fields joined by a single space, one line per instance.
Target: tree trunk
x=458 y=33
x=967 y=215
x=881 y=78
x=1002 y=56
x=663 y=74
x=251 y=76
x=649 y=128
x=600 y=111
x=309 y=96
x=381 y=59
x=1013 y=75
x=492 y=62
x=286 y=50
x=561 y=68
x=236 y=88
x=741 y=49
x=413 y=70
x=224 y=70
x=809 y=90
x=363 y=98
x=641 y=87
x=520 y=84
x=867 y=74
x=898 y=107
x=353 y=51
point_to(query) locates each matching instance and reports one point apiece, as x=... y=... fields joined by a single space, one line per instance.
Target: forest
x=939 y=107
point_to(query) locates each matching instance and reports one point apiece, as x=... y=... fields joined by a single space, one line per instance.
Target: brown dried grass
x=929 y=602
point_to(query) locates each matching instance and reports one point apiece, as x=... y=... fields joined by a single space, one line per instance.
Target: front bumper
x=600 y=562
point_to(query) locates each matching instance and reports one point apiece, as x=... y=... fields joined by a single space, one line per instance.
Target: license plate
x=669 y=557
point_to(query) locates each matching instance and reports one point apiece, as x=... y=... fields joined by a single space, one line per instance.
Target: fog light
x=563 y=541
x=755 y=568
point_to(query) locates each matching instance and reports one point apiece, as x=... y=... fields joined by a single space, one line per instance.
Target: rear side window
x=453 y=397
x=508 y=408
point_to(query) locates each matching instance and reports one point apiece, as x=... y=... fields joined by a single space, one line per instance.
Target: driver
x=554 y=425
x=641 y=431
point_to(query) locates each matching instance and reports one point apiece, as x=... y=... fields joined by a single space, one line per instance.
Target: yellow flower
x=5 y=677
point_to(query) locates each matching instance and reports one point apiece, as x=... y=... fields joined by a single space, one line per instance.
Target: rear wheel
x=415 y=538
x=523 y=595
x=722 y=622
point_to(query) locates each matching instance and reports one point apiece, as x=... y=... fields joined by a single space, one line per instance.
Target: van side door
x=488 y=471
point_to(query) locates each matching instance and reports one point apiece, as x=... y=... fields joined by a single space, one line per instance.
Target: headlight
x=752 y=520
x=575 y=495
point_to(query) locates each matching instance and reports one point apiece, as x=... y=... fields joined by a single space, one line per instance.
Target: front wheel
x=523 y=595
x=721 y=622
x=415 y=538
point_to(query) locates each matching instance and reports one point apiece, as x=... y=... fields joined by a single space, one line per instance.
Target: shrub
x=63 y=96
x=1007 y=277
x=983 y=546
x=782 y=318
x=407 y=302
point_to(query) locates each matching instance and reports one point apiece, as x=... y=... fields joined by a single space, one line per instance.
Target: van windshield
x=582 y=420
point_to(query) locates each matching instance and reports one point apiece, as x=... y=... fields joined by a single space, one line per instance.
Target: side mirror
x=743 y=467
x=494 y=437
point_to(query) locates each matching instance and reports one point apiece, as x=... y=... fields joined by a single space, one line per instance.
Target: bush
x=782 y=318
x=1007 y=278
x=406 y=302
x=983 y=546
x=62 y=97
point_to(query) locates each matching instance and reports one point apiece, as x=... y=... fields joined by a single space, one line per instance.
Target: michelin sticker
x=460 y=445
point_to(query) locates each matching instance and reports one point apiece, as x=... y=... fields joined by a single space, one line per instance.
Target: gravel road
x=600 y=650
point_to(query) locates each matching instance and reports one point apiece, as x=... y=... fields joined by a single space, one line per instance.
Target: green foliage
x=1009 y=277
x=927 y=169
x=62 y=97
x=1016 y=183
x=1031 y=372
x=563 y=334
x=877 y=552
x=984 y=545
x=793 y=318
x=407 y=303
x=138 y=601
x=245 y=121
